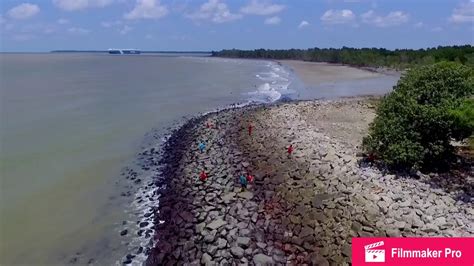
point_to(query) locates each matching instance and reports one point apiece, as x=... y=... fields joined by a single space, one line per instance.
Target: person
x=243 y=181
x=290 y=149
x=203 y=176
x=201 y=146
x=250 y=129
x=249 y=178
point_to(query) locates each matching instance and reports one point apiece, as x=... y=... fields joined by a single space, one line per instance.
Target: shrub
x=415 y=123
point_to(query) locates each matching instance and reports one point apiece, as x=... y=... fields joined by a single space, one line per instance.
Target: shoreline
x=217 y=222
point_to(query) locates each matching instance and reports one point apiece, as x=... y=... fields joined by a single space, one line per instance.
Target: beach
x=313 y=74
x=300 y=208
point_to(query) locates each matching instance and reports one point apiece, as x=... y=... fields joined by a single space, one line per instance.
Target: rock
x=228 y=197
x=316 y=259
x=440 y=221
x=206 y=259
x=123 y=232
x=216 y=224
x=212 y=250
x=243 y=242
x=393 y=232
x=200 y=228
x=262 y=259
x=400 y=224
x=347 y=250
x=221 y=243
x=237 y=252
x=356 y=226
x=143 y=224
x=306 y=231
x=246 y=195
x=209 y=238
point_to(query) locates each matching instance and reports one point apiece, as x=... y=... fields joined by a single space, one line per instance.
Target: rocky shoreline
x=301 y=208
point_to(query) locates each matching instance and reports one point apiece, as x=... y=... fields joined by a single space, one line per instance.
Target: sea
x=73 y=124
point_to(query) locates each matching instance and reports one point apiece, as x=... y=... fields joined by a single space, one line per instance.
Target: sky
x=204 y=25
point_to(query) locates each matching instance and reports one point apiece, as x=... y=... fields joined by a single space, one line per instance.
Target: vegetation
x=428 y=108
x=365 y=57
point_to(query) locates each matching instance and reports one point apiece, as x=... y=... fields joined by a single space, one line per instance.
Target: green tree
x=429 y=107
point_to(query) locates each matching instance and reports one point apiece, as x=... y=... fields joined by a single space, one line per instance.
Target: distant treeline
x=143 y=52
x=364 y=57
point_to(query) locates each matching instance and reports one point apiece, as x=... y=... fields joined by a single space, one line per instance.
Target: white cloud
x=23 y=11
x=394 y=18
x=62 y=21
x=261 y=8
x=126 y=29
x=80 y=31
x=109 y=24
x=272 y=20
x=147 y=9
x=2 y=20
x=464 y=13
x=148 y=36
x=303 y=24
x=214 y=11
x=72 y=5
x=338 y=16
x=418 y=25
x=436 y=29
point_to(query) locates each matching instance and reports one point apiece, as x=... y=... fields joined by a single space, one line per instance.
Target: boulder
x=262 y=259
x=237 y=252
x=216 y=224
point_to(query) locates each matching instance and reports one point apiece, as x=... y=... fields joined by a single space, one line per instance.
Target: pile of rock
x=302 y=208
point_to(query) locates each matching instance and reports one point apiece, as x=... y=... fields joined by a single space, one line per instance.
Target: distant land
x=143 y=52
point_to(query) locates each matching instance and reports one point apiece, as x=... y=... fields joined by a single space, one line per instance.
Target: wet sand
x=314 y=74
x=301 y=208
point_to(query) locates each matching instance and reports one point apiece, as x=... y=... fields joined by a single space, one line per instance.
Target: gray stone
x=221 y=243
x=206 y=259
x=212 y=250
x=306 y=231
x=317 y=259
x=262 y=259
x=237 y=252
x=228 y=197
x=393 y=232
x=216 y=224
x=243 y=241
x=246 y=195
x=209 y=238
x=356 y=226
x=347 y=250
x=400 y=224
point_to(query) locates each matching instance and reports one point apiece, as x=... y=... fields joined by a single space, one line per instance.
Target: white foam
x=276 y=80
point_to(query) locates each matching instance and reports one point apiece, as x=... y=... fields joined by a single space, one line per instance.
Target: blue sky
x=44 y=25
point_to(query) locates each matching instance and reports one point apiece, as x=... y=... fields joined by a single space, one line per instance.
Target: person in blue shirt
x=243 y=181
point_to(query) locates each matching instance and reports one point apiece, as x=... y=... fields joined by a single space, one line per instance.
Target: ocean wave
x=277 y=80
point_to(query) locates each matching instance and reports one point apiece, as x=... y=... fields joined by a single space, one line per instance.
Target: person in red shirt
x=250 y=129
x=290 y=149
x=203 y=176
x=250 y=178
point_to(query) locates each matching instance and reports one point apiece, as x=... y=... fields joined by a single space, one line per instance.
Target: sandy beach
x=313 y=74
x=301 y=208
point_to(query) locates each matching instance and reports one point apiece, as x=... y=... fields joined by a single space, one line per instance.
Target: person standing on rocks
x=249 y=178
x=243 y=181
x=290 y=150
x=250 y=129
x=201 y=146
x=203 y=176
